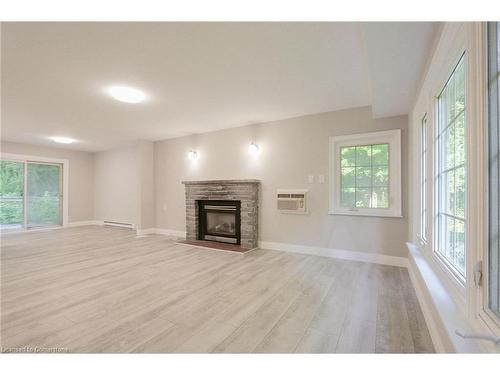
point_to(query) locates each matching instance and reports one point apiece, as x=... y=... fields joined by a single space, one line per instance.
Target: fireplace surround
x=219 y=195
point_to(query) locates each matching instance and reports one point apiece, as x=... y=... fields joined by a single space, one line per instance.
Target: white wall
x=81 y=176
x=292 y=149
x=116 y=190
x=124 y=185
x=147 y=185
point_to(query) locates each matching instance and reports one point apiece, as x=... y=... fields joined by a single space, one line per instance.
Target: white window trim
x=458 y=280
x=485 y=314
x=65 y=182
x=424 y=179
x=456 y=41
x=393 y=138
x=468 y=301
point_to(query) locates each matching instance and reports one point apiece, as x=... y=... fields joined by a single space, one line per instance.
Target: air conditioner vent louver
x=287 y=205
x=291 y=200
x=283 y=195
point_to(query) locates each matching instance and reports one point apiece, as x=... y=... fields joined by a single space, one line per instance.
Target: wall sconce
x=192 y=155
x=254 y=149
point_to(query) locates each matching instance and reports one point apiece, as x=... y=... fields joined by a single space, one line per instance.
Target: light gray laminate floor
x=101 y=289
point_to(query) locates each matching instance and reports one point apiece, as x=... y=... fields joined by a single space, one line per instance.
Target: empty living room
x=236 y=186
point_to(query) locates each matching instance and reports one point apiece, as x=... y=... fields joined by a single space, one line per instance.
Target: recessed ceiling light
x=127 y=94
x=64 y=140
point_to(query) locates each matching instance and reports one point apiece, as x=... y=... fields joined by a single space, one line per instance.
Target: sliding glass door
x=11 y=194
x=31 y=194
x=43 y=194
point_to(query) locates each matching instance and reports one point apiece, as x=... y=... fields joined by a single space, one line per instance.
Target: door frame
x=65 y=181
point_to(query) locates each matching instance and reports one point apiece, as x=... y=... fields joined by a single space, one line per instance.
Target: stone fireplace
x=223 y=211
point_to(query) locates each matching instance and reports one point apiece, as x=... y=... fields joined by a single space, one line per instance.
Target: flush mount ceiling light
x=64 y=140
x=126 y=94
x=253 y=149
x=192 y=155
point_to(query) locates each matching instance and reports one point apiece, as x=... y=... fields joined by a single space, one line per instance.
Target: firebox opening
x=219 y=221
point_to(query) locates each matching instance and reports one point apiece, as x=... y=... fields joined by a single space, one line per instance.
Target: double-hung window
x=451 y=193
x=366 y=174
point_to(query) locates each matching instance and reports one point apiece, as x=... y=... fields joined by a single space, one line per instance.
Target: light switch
x=310 y=179
x=321 y=178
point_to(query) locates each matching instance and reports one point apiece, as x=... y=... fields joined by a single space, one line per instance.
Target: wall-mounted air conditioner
x=292 y=201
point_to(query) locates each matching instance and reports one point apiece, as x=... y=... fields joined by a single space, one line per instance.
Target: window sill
x=423 y=241
x=377 y=213
x=455 y=278
x=442 y=311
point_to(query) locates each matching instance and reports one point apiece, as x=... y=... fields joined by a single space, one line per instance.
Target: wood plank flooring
x=103 y=290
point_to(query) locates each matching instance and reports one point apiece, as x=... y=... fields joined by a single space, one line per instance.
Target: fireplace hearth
x=219 y=220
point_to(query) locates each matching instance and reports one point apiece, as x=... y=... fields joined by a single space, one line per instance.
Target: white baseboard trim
x=336 y=253
x=170 y=232
x=312 y=250
x=83 y=223
x=144 y=232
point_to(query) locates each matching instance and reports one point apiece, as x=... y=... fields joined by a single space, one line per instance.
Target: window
x=423 y=180
x=493 y=256
x=451 y=173
x=365 y=174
